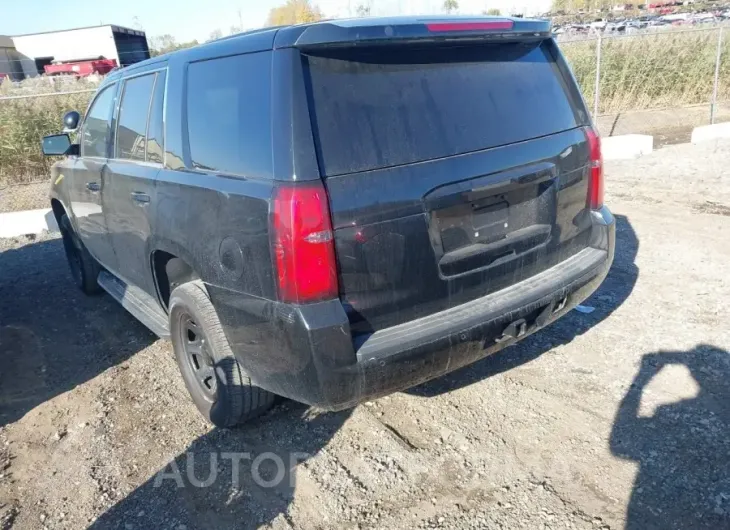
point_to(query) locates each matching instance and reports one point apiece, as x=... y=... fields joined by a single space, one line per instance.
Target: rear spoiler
x=381 y=31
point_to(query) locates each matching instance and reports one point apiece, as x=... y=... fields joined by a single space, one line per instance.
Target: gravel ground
x=613 y=419
x=17 y=197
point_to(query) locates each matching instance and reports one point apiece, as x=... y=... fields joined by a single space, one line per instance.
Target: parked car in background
x=259 y=201
x=82 y=68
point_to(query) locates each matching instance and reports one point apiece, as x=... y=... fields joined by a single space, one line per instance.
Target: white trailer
x=124 y=45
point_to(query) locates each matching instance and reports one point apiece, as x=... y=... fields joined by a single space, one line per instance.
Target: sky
x=196 y=19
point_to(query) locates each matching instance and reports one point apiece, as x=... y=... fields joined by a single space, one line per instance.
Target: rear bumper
x=307 y=353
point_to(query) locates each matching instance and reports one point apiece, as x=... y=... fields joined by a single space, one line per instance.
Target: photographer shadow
x=613 y=292
x=683 y=449
x=233 y=478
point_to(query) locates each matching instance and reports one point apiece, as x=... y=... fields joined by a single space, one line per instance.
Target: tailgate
x=452 y=171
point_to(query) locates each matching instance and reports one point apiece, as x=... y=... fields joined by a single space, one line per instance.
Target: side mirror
x=56 y=145
x=71 y=120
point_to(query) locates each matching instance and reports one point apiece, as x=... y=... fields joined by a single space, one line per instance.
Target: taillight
x=595 y=184
x=490 y=25
x=303 y=244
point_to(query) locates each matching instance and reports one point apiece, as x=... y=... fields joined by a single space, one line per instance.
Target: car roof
x=328 y=31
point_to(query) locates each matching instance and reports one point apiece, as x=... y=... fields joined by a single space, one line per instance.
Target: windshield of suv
x=381 y=107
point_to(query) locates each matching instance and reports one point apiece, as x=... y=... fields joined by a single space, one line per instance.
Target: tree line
x=291 y=12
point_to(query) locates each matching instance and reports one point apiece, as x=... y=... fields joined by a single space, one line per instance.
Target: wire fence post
x=597 y=91
x=717 y=76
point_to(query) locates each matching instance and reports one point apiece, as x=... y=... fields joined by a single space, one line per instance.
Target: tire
x=214 y=378
x=84 y=268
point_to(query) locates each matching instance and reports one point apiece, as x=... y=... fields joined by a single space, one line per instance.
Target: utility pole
x=717 y=76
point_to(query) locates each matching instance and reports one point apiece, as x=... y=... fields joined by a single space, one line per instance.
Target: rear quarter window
x=382 y=107
x=229 y=115
x=155 y=128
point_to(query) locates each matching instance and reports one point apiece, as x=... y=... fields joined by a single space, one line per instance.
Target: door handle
x=93 y=186
x=140 y=197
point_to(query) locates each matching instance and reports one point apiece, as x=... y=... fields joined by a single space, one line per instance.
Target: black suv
x=335 y=211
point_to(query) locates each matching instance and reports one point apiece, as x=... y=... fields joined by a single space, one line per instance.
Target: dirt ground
x=613 y=419
x=17 y=197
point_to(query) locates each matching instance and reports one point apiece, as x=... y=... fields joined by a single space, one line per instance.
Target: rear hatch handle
x=452 y=193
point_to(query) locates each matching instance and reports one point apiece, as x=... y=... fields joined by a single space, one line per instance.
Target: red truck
x=81 y=68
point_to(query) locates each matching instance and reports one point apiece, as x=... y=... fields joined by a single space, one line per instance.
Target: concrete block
x=710 y=132
x=626 y=146
x=14 y=224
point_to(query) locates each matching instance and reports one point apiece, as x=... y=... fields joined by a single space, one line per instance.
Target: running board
x=142 y=306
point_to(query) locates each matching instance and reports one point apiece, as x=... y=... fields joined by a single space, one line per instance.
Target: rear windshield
x=375 y=108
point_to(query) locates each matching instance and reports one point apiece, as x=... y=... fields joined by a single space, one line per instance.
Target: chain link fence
x=30 y=110
x=654 y=82
x=662 y=83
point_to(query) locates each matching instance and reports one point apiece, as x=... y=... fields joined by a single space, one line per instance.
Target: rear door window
x=229 y=115
x=375 y=108
x=133 y=112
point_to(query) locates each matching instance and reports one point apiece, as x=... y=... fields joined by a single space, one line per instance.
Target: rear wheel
x=84 y=268
x=216 y=381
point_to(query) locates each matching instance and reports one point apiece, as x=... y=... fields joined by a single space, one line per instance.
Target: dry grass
x=23 y=122
x=659 y=70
